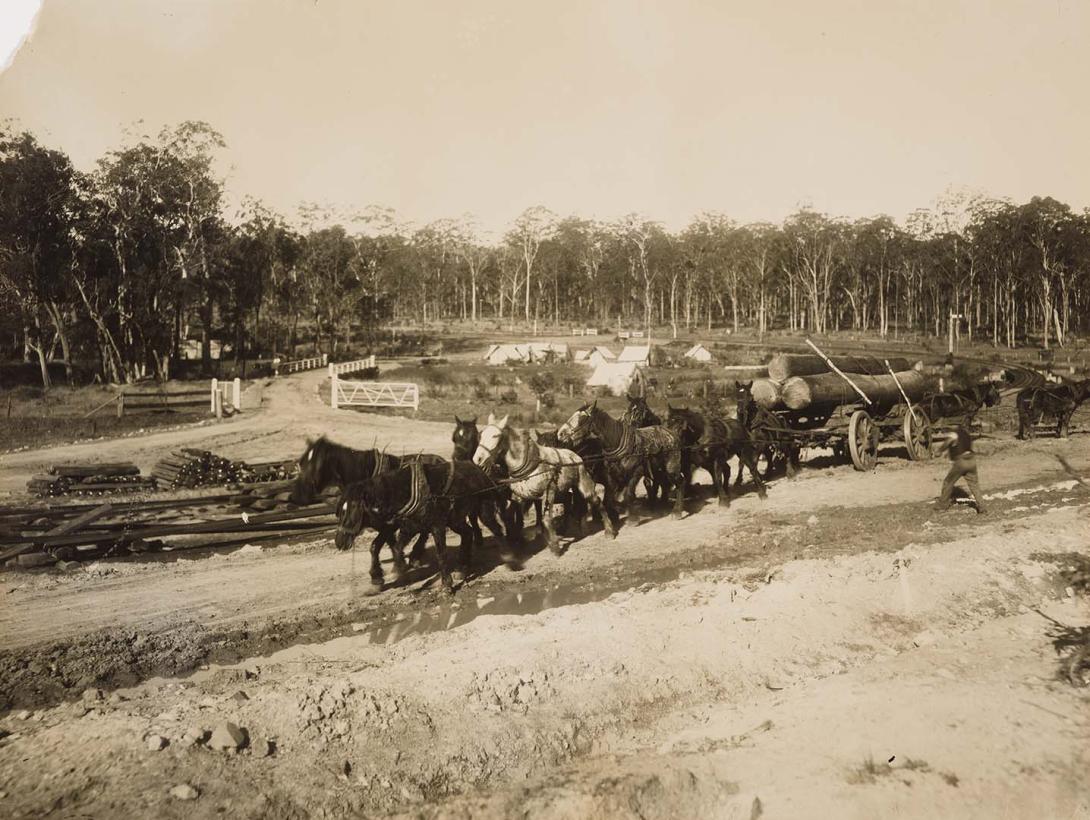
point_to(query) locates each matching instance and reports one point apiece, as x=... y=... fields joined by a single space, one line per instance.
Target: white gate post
x=333 y=391
x=215 y=387
x=237 y=394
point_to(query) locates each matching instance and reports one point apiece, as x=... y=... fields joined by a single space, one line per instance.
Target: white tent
x=546 y=351
x=639 y=354
x=617 y=376
x=698 y=353
x=506 y=354
x=595 y=356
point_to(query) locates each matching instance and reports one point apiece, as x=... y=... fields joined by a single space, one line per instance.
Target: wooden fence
x=345 y=393
x=298 y=365
x=351 y=367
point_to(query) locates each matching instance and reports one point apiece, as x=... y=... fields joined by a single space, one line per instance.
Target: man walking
x=960 y=445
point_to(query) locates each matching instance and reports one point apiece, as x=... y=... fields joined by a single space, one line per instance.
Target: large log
x=830 y=390
x=766 y=392
x=782 y=366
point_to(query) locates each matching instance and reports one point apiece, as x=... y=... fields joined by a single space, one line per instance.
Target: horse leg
x=547 y=500
x=681 y=481
x=746 y=457
x=416 y=555
x=634 y=516
x=487 y=514
x=462 y=526
x=439 y=538
x=377 y=578
x=721 y=478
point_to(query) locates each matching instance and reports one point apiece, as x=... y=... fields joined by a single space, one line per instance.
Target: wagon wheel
x=766 y=462
x=917 y=434
x=863 y=437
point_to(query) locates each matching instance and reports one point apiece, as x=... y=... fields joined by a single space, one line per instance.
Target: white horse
x=537 y=472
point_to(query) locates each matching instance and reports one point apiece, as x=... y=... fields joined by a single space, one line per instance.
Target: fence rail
x=298 y=365
x=351 y=367
x=347 y=393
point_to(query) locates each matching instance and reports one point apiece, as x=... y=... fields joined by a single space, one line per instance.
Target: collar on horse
x=625 y=445
x=418 y=489
x=529 y=464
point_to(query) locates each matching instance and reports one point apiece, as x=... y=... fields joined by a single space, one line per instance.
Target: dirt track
x=761 y=656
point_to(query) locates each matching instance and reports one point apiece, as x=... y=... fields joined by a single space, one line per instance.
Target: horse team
x=498 y=472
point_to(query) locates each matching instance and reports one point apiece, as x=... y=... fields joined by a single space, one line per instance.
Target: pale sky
x=594 y=107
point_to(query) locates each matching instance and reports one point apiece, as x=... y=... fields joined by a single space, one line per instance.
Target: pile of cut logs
x=90 y=479
x=200 y=468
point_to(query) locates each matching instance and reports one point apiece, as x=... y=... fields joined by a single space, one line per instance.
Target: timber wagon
x=851 y=413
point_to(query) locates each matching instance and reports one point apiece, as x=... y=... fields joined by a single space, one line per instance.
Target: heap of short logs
x=200 y=468
x=90 y=479
x=800 y=381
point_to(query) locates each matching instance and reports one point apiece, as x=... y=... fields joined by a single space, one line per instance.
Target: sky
x=589 y=107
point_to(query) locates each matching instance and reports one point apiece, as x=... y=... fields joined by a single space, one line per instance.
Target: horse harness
x=420 y=493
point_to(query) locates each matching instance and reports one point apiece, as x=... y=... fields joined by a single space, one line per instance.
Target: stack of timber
x=195 y=468
x=90 y=479
x=200 y=468
x=783 y=366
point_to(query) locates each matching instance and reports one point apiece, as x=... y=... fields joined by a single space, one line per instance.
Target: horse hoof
x=678 y=516
x=724 y=502
x=556 y=549
x=374 y=588
x=458 y=576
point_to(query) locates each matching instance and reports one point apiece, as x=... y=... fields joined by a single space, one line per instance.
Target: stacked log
x=200 y=468
x=766 y=392
x=783 y=366
x=90 y=479
x=830 y=390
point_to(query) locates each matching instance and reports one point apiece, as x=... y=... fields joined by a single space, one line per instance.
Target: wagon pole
x=897 y=382
x=839 y=372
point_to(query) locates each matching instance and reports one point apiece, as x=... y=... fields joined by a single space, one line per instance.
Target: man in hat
x=960 y=445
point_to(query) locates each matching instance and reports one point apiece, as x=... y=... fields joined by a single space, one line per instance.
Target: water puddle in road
x=465 y=608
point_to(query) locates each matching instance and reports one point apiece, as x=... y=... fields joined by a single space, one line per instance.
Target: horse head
x=576 y=429
x=312 y=468
x=743 y=397
x=465 y=438
x=493 y=442
x=356 y=508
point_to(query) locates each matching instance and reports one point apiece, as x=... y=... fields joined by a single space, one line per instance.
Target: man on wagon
x=960 y=445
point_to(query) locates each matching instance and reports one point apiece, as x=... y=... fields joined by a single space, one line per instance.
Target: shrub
x=509 y=397
x=480 y=388
x=547 y=399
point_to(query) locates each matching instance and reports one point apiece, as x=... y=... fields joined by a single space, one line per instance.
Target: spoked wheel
x=863 y=438
x=917 y=433
x=766 y=462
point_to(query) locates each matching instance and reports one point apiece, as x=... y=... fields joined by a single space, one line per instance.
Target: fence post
x=215 y=389
x=120 y=405
x=333 y=391
x=331 y=371
x=217 y=399
x=237 y=394
x=325 y=358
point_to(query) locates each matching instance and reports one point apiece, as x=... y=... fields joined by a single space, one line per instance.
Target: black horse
x=964 y=403
x=771 y=435
x=326 y=464
x=421 y=498
x=1058 y=402
x=618 y=454
x=708 y=442
x=640 y=414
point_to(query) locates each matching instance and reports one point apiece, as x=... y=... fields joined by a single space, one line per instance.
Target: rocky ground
x=839 y=650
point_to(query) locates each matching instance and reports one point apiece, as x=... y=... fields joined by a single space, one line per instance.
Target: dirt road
x=840 y=649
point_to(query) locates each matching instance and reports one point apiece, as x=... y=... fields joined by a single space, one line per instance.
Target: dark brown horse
x=1059 y=402
x=421 y=498
x=326 y=464
x=708 y=443
x=622 y=454
x=965 y=403
x=771 y=435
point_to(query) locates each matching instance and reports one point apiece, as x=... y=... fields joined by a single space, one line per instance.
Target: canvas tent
x=698 y=353
x=639 y=354
x=527 y=353
x=617 y=376
x=595 y=356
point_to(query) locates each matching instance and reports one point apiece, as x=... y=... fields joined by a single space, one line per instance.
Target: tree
x=37 y=205
x=532 y=226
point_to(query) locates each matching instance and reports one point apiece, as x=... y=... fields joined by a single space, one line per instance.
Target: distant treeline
x=127 y=264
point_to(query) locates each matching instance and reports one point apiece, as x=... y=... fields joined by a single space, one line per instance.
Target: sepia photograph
x=593 y=409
